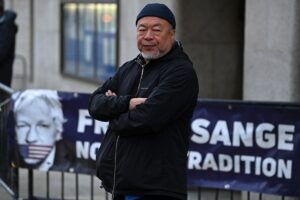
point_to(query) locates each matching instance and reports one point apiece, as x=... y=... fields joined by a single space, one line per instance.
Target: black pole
x=77 y=186
x=92 y=187
x=30 y=183
x=62 y=185
x=217 y=194
x=199 y=193
x=15 y=180
x=48 y=185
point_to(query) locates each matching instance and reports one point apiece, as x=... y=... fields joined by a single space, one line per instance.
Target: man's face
x=35 y=131
x=154 y=37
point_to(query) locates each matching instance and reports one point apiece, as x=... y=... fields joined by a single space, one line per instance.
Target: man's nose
x=31 y=135
x=149 y=34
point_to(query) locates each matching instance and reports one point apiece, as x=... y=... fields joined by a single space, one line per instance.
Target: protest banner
x=252 y=146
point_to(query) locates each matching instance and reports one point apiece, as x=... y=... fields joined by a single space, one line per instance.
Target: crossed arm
x=130 y=115
x=132 y=103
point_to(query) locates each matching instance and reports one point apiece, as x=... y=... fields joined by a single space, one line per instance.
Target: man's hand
x=109 y=93
x=136 y=101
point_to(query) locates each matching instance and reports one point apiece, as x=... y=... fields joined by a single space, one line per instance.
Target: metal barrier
x=20 y=74
x=61 y=185
x=8 y=174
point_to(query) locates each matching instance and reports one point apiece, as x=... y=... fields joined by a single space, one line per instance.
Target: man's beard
x=151 y=56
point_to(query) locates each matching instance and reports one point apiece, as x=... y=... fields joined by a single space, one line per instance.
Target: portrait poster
x=52 y=130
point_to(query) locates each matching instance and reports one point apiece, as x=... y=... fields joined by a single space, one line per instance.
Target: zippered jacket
x=144 y=151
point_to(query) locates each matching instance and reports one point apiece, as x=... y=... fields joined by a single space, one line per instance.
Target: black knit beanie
x=157 y=10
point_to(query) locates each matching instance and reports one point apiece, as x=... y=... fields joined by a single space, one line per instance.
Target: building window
x=89 y=39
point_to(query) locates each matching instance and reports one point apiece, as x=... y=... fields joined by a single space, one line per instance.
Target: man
x=38 y=126
x=149 y=104
x=8 y=30
x=39 y=121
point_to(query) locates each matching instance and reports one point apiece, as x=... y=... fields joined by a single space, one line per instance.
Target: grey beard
x=151 y=56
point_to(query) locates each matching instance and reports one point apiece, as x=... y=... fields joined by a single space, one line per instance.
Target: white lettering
x=284 y=169
x=257 y=166
x=225 y=163
x=86 y=150
x=220 y=134
x=100 y=127
x=247 y=160
x=242 y=134
x=84 y=120
x=285 y=134
x=237 y=165
x=241 y=164
x=82 y=149
x=194 y=160
x=209 y=162
x=201 y=135
x=93 y=150
x=269 y=167
x=264 y=137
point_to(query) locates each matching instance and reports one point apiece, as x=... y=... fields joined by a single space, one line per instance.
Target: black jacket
x=145 y=149
x=8 y=30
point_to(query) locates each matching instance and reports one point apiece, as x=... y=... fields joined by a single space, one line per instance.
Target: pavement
x=4 y=192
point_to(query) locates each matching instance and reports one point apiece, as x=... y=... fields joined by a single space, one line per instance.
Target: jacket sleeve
x=6 y=41
x=8 y=30
x=106 y=108
x=175 y=94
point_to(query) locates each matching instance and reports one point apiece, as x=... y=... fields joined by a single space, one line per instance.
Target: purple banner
x=233 y=145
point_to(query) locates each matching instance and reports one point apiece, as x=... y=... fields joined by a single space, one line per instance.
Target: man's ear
x=173 y=32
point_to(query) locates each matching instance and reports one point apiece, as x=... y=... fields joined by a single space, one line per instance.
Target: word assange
x=257 y=140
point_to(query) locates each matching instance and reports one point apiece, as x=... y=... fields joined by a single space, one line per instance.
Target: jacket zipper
x=141 y=77
x=115 y=168
x=116 y=147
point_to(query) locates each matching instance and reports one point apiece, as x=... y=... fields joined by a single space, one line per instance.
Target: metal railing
x=22 y=74
x=63 y=185
x=7 y=173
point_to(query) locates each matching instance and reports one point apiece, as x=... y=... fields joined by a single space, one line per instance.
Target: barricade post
x=8 y=172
